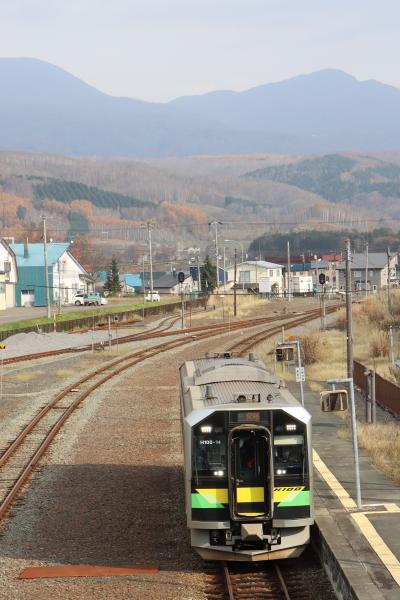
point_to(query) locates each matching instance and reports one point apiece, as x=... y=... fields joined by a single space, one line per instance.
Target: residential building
x=131 y=283
x=65 y=275
x=250 y=272
x=377 y=271
x=8 y=266
x=168 y=284
x=313 y=269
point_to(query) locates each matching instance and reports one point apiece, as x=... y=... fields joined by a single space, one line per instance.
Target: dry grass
x=65 y=372
x=379 y=344
x=382 y=442
x=246 y=304
x=394 y=374
x=25 y=376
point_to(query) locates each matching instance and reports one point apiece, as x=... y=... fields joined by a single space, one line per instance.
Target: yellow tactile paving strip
x=361 y=518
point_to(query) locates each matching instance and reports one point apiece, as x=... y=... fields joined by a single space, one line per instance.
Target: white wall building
x=69 y=277
x=8 y=265
x=252 y=273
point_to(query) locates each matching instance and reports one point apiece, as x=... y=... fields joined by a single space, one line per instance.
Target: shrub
x=395 y=374
x=379 y=344
x=341 y=319
x=310 y=348
x=374 y=308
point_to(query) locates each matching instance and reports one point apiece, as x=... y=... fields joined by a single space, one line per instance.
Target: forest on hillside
x=324 y=242
x=335 y=177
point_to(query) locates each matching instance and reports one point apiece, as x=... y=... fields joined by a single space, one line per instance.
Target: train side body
x=247 y=461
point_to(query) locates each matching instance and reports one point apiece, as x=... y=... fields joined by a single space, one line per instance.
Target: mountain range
x=45 y=109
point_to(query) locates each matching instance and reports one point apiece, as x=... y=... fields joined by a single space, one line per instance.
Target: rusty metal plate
x=85 y=571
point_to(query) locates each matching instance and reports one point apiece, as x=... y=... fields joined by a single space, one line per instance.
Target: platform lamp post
x=241 y=247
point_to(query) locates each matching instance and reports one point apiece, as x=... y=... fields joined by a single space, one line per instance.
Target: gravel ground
x=28 y=386
x=29 y=343
x=111 y=495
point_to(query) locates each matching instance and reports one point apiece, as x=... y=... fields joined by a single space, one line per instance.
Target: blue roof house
x=131 y=282
x=65 y=275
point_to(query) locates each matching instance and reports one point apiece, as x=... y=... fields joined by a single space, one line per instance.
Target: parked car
x=155 y=297
x=93 y=298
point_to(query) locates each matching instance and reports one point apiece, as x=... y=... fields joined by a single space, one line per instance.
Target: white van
x=155 y=297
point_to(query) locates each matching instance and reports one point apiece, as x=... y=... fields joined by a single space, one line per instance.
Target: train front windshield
x=209 y=447
x=210 y=453
x=289 y=455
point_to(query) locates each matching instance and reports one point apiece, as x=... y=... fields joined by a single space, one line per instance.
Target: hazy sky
x=160 y=49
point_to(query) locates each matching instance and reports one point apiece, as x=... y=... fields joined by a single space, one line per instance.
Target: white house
x=8 y=265
x=68 y=277
x=251 y=273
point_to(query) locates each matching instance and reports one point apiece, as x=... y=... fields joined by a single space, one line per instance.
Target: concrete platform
x=361 y=548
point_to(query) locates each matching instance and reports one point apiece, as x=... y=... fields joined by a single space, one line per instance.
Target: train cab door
x=250 y=473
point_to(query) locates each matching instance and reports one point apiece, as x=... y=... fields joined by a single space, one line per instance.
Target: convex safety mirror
x=285 y=353
x=334 y=400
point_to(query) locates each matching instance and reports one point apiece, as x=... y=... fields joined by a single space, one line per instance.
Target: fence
x=387 y=393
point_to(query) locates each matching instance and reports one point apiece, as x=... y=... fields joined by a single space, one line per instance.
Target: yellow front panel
x=214 y=495
x=250 y=494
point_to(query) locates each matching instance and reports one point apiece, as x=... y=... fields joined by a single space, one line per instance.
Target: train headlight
x=206 y=429
x=291 y=427
x=281 y=471
x=218 y=473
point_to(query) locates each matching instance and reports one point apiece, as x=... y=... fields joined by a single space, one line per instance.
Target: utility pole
x=215 y=225
x=234 y=286
x=300 y=366
x=182 y=307
x=288 y=271
x=46 y=268
x=349 y=324
x=389 y=300
x=198 y=274
x=59 y=287
x=242 y=249
x=149 y=228
x=144 y=284
x=224 y=270
x=366 y=269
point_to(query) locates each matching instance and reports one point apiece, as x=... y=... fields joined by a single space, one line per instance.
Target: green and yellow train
x=247 y=460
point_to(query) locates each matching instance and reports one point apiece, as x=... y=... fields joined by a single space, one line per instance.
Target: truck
x=89 y=299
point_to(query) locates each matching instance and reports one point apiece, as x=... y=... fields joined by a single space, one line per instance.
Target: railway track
x=266 y=581
x=249 y=582
x=24 y=454
x=156 y=332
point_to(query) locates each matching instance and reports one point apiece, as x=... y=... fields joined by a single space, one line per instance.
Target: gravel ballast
x=111 y=492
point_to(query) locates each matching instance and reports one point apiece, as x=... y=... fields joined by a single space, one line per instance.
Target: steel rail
x=154 y=333
x=118 y=366
x=282 y=581
x=228 y=582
